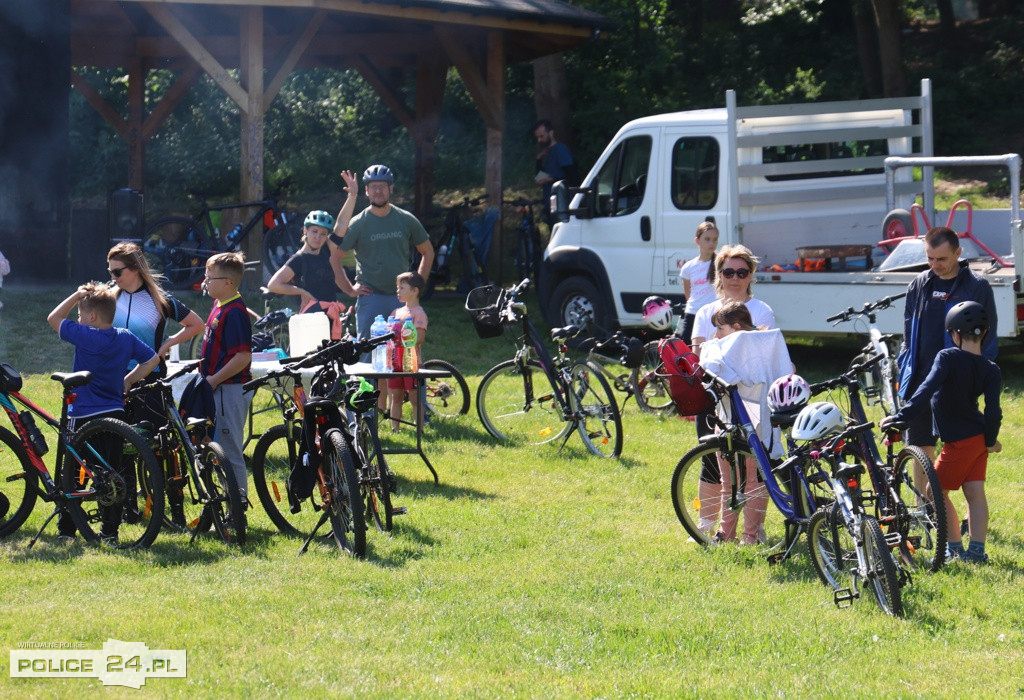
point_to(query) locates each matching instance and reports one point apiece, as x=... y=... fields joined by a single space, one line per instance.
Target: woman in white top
x=698 y=276
x=734 y=280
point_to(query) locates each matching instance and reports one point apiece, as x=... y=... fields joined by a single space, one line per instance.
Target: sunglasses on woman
x=115 y=272
x=729 y=272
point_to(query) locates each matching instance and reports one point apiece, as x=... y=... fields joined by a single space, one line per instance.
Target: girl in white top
x=698 y=276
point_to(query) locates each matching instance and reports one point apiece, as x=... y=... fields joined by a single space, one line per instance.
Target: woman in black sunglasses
x=734 y=281
x=142 y=306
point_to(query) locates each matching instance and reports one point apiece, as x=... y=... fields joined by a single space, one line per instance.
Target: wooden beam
x=136 y=141
x=431 y=77
x=94 y=98
x=407 y=13
x=388 y=94
x=298 y=47
x=170 y=100
x=475 y=83
x=251 y=155
x=495 y=144
x=173 y=26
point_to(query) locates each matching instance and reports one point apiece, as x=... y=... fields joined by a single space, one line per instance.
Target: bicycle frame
x=52 y=492
x=529 y=342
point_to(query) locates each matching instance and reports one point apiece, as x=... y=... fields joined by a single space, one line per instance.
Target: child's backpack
x=681 y=369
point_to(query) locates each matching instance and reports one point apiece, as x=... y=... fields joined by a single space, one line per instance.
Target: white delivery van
x=790 y=182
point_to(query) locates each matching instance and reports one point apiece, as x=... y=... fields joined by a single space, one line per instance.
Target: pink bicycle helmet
x=657 y=313
x=788 y=394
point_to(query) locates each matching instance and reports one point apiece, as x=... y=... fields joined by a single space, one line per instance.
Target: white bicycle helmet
x=817 y=420
x=788 y=394
x=657 y=313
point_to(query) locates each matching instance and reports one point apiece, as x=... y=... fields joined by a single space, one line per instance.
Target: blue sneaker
x=954 y=553
x=975 y=557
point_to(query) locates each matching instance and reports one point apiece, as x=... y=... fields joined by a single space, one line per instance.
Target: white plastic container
x=306 y=332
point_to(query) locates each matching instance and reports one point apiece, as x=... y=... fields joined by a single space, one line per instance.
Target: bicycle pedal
x=776 y=558
x=844 y=597
x=399 y=510
x=893 y=539
x=914 y=541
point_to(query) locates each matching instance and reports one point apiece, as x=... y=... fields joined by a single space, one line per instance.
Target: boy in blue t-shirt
x=106 y=352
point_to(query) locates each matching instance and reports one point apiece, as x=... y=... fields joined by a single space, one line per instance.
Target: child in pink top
x=409 y=285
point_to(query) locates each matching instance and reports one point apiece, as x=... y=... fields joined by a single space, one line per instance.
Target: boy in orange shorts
x=958 y=377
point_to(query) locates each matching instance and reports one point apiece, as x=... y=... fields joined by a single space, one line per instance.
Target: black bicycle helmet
x=378 y=173
x=361 y=396
x=967 y=318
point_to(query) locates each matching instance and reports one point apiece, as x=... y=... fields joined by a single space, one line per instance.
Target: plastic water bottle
x=235 y=234
x=410 y=363
x=442 y=254
x=379 y=357
x=395 y=345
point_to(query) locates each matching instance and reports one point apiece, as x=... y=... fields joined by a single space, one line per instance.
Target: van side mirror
x=562 y=194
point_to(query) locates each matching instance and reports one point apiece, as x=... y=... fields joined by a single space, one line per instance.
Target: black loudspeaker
x=125 y=214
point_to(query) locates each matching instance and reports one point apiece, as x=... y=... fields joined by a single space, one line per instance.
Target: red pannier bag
x=683 y=374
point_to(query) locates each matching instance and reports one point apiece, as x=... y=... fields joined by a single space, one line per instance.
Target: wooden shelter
x=267 y=39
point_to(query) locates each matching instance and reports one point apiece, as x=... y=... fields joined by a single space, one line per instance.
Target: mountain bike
x=201 y=489
x=847 y=546
x=528 y=244
x=322 y=464
x=880 y=384
x=730 y=471
x=534 y=398
x=618 y=356
x=94 y=468
x=913 y=517
x=457 y=239
x=178 y=247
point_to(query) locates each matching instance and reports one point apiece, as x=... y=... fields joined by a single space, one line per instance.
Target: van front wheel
x=574 y=301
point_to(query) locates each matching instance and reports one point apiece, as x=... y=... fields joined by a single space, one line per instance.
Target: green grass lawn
x=527 y=572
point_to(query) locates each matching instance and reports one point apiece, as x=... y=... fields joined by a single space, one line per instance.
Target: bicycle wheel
x=598 y=419
x=19 y=483
x=517 y=404
x=281 y=243
x=119 y=486
x=184 y=505
x=650 y=386
x=177 y=248
x=224 y=511
x=272 y=460
x=344 y=509
x=882 y=577
x=832 y=548
x=446 y=396
x=709 y=508
x=924 y=529
x=377 y=482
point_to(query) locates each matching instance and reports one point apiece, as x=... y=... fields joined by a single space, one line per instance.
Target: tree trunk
x=887 y=23
x=551 y=96
x=867 y=47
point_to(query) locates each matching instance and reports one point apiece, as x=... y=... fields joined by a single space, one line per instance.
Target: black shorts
x=919 y=430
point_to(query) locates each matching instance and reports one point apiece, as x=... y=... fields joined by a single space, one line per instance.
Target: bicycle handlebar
x=869 y=307
x=346 y=350
x=847 y=376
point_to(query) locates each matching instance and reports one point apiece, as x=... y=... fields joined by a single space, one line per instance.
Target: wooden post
x=431 y=76
x=136 y=140
x=495 y=132
x=251 y=172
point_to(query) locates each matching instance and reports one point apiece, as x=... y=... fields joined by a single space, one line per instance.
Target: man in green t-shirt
x=381 y=236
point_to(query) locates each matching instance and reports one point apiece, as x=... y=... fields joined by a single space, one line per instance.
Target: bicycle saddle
x=70 y=380
x=848 y=471
x=562 y=334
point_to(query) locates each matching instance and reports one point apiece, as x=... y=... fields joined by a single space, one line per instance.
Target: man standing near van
x=945 y=283
x=554 y=163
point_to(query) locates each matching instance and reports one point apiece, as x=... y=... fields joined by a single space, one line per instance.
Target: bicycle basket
x=683 y=373
x=10 y=380
x=484 y=305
